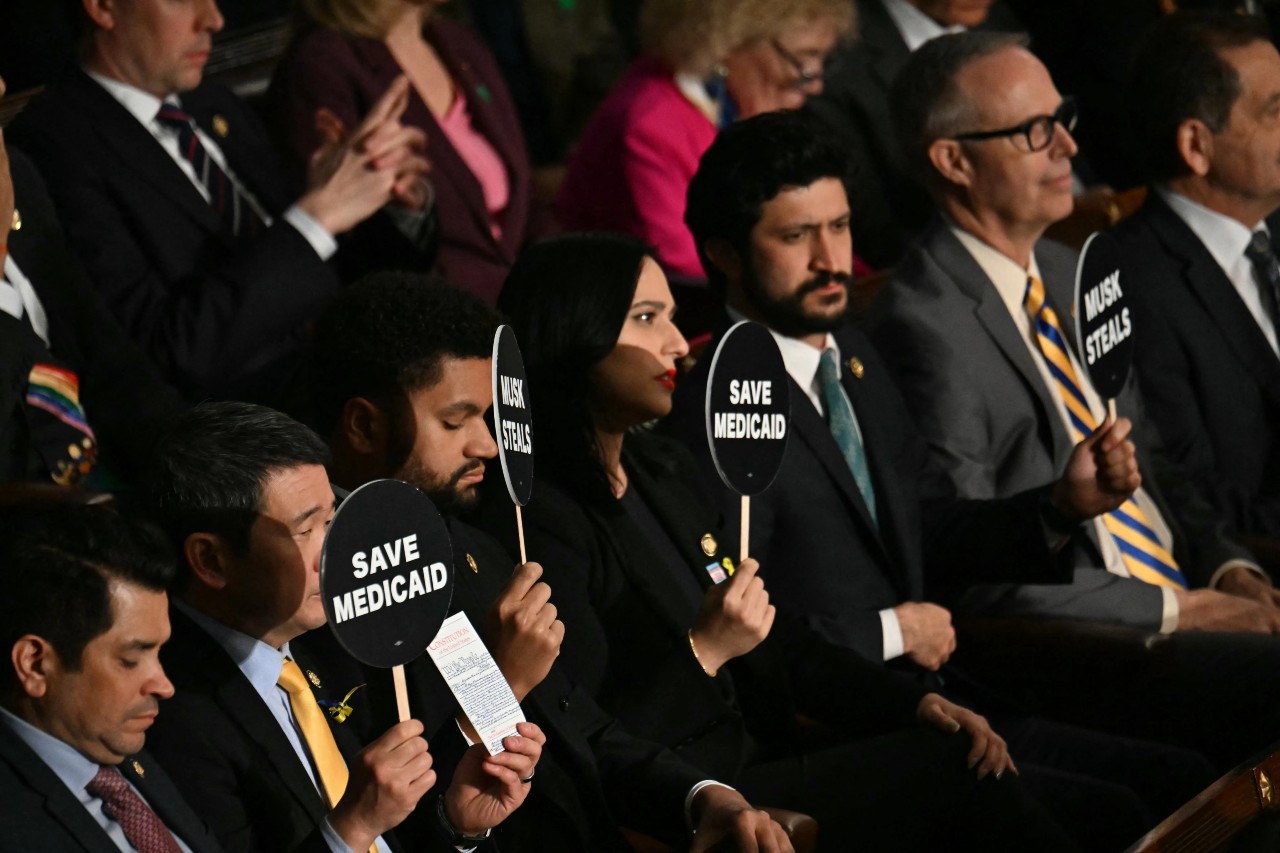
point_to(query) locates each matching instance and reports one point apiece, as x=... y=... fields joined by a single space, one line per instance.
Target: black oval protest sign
x=386 y=573
x=512 y=420
x=748 y=408
x=1104 y=327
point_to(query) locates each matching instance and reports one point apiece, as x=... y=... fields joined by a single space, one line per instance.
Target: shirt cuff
x=894 y=645
x=1169 y=616
x=693 y=792
x=337 y=845
x=312 y=231
x=1236 y=564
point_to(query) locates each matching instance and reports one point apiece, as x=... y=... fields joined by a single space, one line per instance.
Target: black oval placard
x=748 y=408
x=1104 y=325
x=386 y=573
x=512 y=417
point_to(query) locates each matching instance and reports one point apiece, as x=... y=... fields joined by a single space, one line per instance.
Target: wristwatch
x=450 y=832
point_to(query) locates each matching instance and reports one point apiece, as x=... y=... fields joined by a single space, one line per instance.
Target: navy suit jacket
x=41 y=813
x=1210 y=379
x=219 y=317
x=822 y=557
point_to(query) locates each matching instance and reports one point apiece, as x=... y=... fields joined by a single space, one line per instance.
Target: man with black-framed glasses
x=976 y=324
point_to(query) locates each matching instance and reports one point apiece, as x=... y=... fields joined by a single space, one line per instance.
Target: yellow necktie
x=315 y=730
x=1140 y=548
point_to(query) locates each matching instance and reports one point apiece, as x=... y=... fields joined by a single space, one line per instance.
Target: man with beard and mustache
x=401 y=387
x=845 y=541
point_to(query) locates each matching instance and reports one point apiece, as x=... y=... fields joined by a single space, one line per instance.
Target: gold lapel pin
x=313 y=678
x=137 y=768
x=471 y=561
x=220 y=126
x=856 y=367
x=16 y=223
x=709 y=545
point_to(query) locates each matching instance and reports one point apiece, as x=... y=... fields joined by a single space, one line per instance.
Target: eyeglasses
x=805 y=76
x=1037 y=132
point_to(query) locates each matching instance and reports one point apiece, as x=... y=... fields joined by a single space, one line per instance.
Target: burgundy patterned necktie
x=143 y=827
x=236 y=211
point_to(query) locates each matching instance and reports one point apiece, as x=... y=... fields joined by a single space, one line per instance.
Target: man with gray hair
x=973 y=327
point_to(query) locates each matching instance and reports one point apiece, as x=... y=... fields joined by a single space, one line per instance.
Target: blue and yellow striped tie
x=1144 y=556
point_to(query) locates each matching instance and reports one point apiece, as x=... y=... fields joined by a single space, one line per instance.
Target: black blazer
x=227 y=754
x=823 y=559
x=1209 y=378
x=593 y=775
x=41 y=813
x=124 y=399
x=626 y=629
x=219 y=317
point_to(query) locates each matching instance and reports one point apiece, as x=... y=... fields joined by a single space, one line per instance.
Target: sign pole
x=402 y=692
x=745 y=538
x=524 y=558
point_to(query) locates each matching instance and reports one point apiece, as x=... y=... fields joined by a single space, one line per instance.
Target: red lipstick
x=668 y=379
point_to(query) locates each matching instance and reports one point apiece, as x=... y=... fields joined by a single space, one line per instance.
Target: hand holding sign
x=1101 y=474
x=734 y=618
x=748 y=408
x=513 y=423
x=523 y=631
x=387 y=779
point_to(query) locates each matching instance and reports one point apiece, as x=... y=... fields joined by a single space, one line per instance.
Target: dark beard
x=445 y=495
x=787 y=316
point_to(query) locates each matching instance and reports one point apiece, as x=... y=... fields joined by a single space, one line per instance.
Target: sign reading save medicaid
x=386 y=573
x=512 y=420
x=1104 y=328
x=748 y=408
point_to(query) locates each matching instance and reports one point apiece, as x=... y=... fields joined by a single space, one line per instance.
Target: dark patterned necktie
x=143 y=827
x=1266 y=272
x=237 y=213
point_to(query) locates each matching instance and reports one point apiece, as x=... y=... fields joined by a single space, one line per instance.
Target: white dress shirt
x=18 y=299
x=144 y=106
x=1226 y=239
x=915 y=26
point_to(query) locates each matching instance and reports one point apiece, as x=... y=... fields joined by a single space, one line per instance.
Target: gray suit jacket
x=981 y=404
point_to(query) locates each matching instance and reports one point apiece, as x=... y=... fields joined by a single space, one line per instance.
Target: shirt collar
x=67 y=763
x=1224 y=237
x=258 y=661
x=1009 y=278
x=141 y=105
x=800 y=359
x=915 y=26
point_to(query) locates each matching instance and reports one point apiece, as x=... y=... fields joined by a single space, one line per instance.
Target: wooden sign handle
x=745 y=527
x=1111 y=410
x=524 y=558
x=402 y=692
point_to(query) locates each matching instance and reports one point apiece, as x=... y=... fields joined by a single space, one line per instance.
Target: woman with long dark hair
x=632 y=551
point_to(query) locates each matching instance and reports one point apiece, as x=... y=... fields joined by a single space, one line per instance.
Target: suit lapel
x=139 y=152
x=59 y=802
x=1217 y=295
x=677 y=511
x=242 y=704
x=148 y=777
x=994 y=317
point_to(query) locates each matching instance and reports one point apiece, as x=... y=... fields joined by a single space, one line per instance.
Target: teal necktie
x=845 y=429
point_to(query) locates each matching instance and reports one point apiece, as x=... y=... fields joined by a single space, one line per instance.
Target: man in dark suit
x=243 y=492
x=405 y=395
x=173 y=201
x=974 y=324
x=73 y=387
x=84 y=615
x=1208 y=332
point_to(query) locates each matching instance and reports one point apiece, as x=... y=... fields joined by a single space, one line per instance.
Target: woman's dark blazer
x=626 y=631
